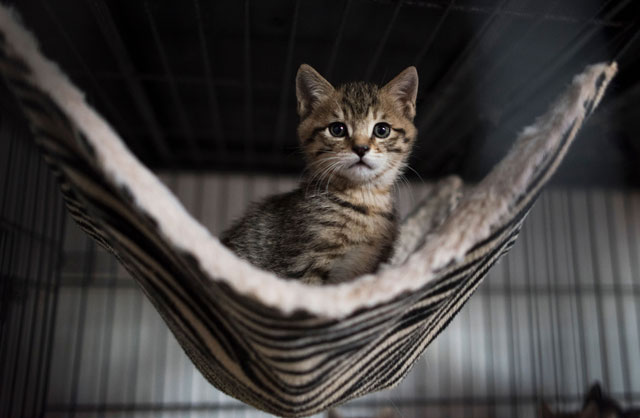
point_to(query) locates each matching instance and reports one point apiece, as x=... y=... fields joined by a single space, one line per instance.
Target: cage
x=203 y=93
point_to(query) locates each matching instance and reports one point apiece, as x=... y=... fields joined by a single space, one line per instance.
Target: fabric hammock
x=281 y=346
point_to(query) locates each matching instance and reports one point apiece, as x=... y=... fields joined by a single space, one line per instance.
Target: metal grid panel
x=559 y=313
x=31 y=220
x=209 y=85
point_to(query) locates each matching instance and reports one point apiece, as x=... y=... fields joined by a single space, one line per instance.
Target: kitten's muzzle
x=360 y=162
x=360 y=150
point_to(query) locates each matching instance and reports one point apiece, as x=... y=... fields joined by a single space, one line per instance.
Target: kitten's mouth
x=361 y=163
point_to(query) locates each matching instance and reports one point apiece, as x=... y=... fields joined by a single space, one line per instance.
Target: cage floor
x=560 y=312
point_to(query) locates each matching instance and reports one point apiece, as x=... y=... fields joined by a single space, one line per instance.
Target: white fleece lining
x=482 y=208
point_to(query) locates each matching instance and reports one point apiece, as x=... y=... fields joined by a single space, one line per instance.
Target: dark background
x=203 y=85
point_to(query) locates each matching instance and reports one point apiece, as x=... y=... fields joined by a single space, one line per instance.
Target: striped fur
x=287 y=364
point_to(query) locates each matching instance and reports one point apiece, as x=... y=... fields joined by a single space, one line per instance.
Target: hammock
x=281 y=346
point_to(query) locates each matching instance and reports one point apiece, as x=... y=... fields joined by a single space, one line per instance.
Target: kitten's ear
x=595 y=394
x=311 y=88
x=546 y=412
x=404 y=90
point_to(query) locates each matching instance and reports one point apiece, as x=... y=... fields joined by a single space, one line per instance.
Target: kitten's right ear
x=404 y=90
x=311 y=89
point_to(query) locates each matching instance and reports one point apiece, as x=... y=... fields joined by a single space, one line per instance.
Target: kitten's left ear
x=404 y=90
x=311 y=89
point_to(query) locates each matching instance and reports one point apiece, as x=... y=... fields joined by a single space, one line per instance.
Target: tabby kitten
x=596 y=405
x=341 y=221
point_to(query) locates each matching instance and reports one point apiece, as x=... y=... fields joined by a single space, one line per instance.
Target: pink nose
x=361 y=150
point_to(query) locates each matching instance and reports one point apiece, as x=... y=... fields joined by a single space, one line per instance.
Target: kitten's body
x=317 y=237
x=340 y=223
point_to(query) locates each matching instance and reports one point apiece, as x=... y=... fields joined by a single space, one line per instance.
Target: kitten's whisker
x=318 y=173
x=417 y=174
x=329 y=172
x=333 y=170
x=407 y=184
x=331 y=164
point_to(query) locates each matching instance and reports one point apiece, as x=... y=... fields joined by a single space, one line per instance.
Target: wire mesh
x=31 y=220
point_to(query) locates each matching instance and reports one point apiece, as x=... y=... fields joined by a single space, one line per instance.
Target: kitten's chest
x=357 y=220
x=360 y=235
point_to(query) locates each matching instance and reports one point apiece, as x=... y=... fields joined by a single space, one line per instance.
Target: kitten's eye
x=338 y=129
x=381 y=130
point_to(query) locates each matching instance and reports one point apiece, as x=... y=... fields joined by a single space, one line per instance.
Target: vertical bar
x=10 y=367
x=31 y=219
x=445 y=370
x=632 y=39
x=552 y=271
x=488 y=328
x=434 y=33
x=78 y=343
x=211 y=89
x=383 y=41
x=108 y=338
x=45 y=250
x=574 y=301
x=110 y=107
x=161 y=361
x=532 y=316
x=336 y=44
x=183 y=119
x=513 y=383
x=468 y=380
x=248 y=85
x=458 y=66
x=575 y=262
x=222 y=210
x=133 y=377
x=48 y=320
x=634 y=250
x=10 y=161
x=51 y=328
x=286 y=80
x=532 y=84
x=482 y=83
x=595 y=265
x=110 y=33
x=621 y=319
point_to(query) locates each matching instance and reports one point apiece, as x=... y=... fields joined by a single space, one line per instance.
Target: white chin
x=360 y=173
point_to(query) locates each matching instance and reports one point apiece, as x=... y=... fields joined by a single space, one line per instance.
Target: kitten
x=340 y=222
x=596 y=405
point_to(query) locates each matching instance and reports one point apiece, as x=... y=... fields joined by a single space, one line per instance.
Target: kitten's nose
x=361 y=150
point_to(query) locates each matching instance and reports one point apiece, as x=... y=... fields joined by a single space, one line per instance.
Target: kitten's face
x=357 y=134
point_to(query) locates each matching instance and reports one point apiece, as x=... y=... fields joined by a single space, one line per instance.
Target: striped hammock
x=281 y=346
